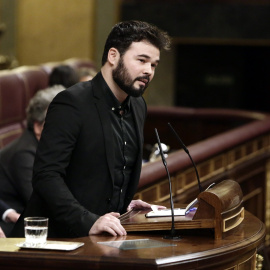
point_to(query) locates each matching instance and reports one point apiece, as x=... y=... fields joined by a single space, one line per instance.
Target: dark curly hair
x=124 y=33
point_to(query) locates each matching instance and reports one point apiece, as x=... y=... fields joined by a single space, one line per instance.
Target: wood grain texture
x=197 y=249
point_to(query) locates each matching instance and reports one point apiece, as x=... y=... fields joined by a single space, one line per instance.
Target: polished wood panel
x=197 y=249
x=240 y=153
x=219 y=208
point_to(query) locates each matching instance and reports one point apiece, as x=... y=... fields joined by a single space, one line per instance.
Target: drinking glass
x=35 y=230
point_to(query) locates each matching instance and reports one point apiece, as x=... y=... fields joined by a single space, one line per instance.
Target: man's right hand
x=108 y=223
x=12 y=216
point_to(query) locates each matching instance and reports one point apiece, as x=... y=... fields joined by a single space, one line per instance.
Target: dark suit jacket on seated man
x=17 y=158
x=3 y=208
x=89 y=157
x=7 y=215
x=16 y=165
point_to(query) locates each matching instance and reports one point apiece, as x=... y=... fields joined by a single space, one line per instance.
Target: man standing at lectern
x=89 y=157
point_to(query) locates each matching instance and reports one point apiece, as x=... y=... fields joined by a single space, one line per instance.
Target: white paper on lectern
x=167 y=212
x=177 y=211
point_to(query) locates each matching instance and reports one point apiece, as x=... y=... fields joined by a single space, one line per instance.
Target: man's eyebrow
x=144 y=55
x=147 y=56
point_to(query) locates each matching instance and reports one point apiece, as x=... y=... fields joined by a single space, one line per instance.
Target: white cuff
x=4 y=216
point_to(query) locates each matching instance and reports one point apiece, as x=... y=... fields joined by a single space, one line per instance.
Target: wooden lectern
x=219 y=208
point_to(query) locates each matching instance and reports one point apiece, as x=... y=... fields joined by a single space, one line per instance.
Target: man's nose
x=148 y=69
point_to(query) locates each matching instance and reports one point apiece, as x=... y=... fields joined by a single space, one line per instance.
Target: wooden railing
x=240 y=152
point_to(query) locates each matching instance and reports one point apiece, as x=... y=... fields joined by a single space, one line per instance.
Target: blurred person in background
x=86 y=74
x=17 y=158
x=63 y=75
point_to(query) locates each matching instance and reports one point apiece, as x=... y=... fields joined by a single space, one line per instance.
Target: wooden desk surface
x=197 y=249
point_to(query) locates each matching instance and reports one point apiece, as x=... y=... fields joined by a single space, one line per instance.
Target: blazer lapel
x=138 y=123
x=105 y=122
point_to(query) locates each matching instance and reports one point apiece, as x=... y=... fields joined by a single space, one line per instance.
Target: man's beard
x=123 y=79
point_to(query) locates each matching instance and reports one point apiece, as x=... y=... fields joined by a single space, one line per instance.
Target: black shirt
x=125 y=147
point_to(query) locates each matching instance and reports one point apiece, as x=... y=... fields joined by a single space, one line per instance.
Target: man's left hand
x=139 y=204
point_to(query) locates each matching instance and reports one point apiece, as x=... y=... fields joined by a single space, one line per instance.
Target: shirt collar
x=113 y=103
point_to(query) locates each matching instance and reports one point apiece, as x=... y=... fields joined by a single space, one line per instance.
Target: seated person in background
x=86 y=74
x=63 y=75
x=7 y=215
x=17 y=158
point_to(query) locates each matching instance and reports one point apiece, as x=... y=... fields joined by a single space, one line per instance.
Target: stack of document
x=167 y=212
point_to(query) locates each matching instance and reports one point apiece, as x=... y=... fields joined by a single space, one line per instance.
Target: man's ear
x=113 y=56
x=38 y=127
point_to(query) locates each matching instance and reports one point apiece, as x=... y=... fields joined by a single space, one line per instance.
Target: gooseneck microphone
x=172 y=235
x=186 y=150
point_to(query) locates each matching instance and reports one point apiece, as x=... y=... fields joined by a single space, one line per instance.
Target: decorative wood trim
x=185 y=180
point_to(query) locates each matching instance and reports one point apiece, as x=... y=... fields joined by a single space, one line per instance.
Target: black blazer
x=73 y=170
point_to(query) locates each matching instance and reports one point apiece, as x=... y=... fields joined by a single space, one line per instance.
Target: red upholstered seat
x=79 y=63
x=10 y=133
x=17 y=87
x=34 y=79
x=49 y=66
x=75 y=63
x=12 y=98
